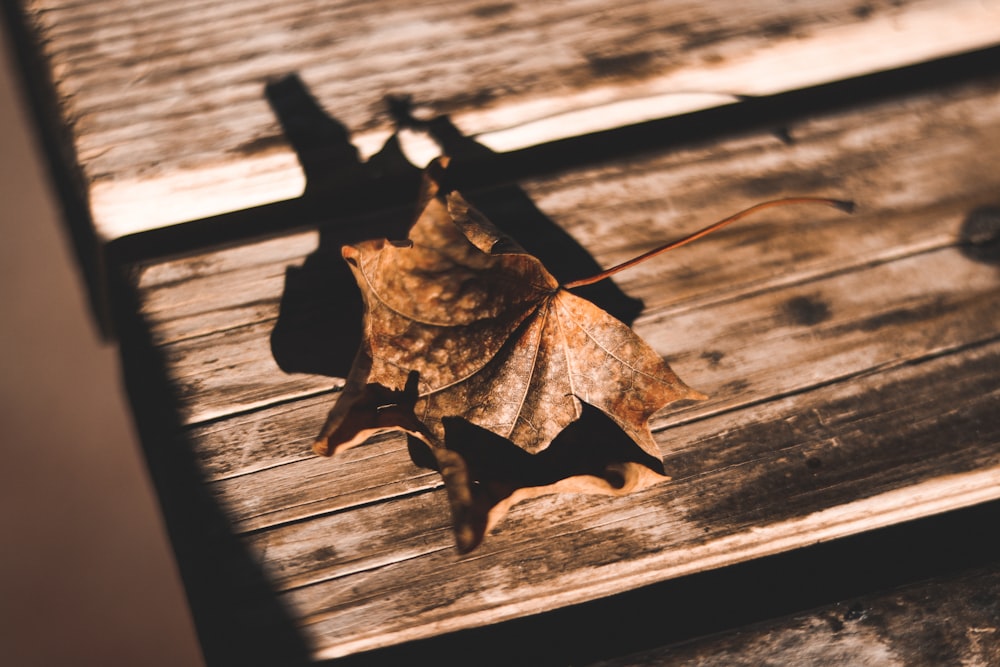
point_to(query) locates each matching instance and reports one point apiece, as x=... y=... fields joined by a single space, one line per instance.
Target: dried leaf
x=493 y=339
x=490 y=474
x=461 y=324
x=516 y=386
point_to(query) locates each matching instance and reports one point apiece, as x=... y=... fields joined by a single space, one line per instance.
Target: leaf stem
x=847 y=206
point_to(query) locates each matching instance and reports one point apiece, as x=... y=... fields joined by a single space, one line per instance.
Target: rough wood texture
x=891 y=161
x=169 y=122
x=951 y=621
x=852 y=364
x=851 y=361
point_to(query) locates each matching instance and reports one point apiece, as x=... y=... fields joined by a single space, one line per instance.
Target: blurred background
x=86 y=574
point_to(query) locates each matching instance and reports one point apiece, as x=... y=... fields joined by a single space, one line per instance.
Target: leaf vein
x=610 y=353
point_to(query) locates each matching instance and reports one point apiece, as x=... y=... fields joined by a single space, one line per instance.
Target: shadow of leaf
x=485 y=474
x=318 y=326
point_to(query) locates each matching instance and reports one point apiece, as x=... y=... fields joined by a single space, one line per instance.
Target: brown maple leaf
x=462 y=327
x=491 y=337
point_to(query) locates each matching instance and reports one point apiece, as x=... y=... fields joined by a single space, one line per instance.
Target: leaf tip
x=466 y=539
x=322 y=447
x=456 y=203
x=436 y=169
x=478 y=229
x=695 y=395
x=845 y=205
x=350 y=254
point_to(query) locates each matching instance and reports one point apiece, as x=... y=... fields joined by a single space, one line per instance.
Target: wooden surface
x=167 y=120
x=949 y=621
x=851 y=363
x=851 y=360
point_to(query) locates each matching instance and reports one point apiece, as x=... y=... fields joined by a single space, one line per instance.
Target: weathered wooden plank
x=951 y=620
x=834 y=431
x=932 y=157
x=300 y=485
x=237 y=367
x=818 y=465
x=739 y=352
x=257 y=440
x=169 y=122
x=214 y=324
x=773 y=342
x=852 y=361
x=827 y=416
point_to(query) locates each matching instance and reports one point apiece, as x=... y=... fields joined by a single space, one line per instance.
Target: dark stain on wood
x=806 y=311
x=782 y=184
x=980 y=235
x=621 y=544
x=703 y=37
x=778 y=29
x=875 y=434
x=324 y=554
x=473 y=98
x=713 y=357
x=735 y=387
x=895 y=317
x=260 y=145
x=494 y=10
x=862 y=12
x=626 y=64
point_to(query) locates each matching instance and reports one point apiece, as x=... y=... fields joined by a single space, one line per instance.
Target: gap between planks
x=197 y=158
x=876 y=157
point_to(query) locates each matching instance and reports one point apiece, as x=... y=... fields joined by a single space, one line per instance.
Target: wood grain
x=950 y=620
x=213 y=318
x=169 y=122
x=740 y=355
x=852 y=363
